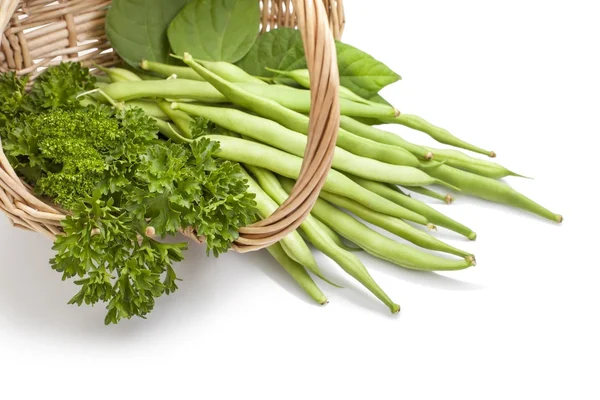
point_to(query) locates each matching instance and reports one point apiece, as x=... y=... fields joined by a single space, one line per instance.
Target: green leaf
x=282 y=49
x=361 y=73
x=215 y=30
x=379 y=99
x=137 y=29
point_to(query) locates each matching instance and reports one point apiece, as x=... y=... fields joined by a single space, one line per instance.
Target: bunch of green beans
x=264 y=128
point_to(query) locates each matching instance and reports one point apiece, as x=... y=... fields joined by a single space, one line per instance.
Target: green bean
x=439 y=134
x=103 y=79
x=151 y=108
x=399 y=190
x=298 y=273
x=260 y=155
x=393 y=225
x=167 y=70
x=119 y=74
x=182 y=120
x=173 y=89
x=294 y=245
x=432 y=215
x=299 y=100
x=296 y=121
x=380 y=136
x=170 y=131
x=149 y=77
x=232 y=72
x=321 y=240
x=337 y=239
x=378 y=244
x=492 y=190
x=278 y=136
x=458 y=159
x=447 y=198
x=302 y=77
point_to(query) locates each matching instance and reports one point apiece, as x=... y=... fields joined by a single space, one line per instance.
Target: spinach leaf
x=137 y=29
x=281 y=49
x=361 y=73
x=215 y=30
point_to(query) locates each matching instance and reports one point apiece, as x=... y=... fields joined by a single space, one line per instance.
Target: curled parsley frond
x=119 y=182
x=181 y=186
x=115 y=261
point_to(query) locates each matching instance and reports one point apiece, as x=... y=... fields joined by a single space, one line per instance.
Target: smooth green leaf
x=215 y=30
x=137 y=29
x=281 y=49
x=361 y=73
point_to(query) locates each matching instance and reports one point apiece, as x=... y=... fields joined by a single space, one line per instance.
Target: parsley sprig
x=123 y=187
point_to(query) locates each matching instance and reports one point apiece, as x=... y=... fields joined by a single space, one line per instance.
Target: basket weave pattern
x=40 y=33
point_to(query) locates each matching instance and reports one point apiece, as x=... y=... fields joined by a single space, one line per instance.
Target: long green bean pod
x=103 y=79
x=432 y=215
x=299 y=100
x=492 y=190
x=446 y=198
x=321 y=240
x=151 y=108
x=259 y=155
x=381 y=136
x=337 y=239
x=232 y=72
x=228 y=71
x=172 y=89
x=394 y=225
x=297 y=272
x=167 y=70
x=293 y=244
x=302 y=77
x=273 y=134
x=295 y=121
x=119 y=74
x=439 y=134
x=460 y=160
x=170 y=131
x=378 y=244
x=182 y=120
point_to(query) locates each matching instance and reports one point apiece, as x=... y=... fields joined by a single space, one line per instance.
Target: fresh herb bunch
x=121 y=184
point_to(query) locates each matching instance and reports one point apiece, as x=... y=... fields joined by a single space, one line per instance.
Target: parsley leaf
x=114 y=259
x=121 y=185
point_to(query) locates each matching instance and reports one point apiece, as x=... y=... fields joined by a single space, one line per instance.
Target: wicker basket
x=40 y=33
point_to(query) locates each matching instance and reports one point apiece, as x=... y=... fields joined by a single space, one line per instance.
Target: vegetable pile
x=207 y=139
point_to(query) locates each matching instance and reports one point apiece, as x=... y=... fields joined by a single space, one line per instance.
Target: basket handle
x=321 y=57
x=7 y=9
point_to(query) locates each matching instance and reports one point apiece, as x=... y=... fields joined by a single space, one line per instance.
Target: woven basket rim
x=58 y=37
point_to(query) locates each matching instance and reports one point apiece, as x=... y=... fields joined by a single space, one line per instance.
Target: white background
x=520 y=77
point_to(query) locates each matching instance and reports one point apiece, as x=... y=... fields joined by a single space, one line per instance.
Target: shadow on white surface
x=278 y=275
x=33 y=299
